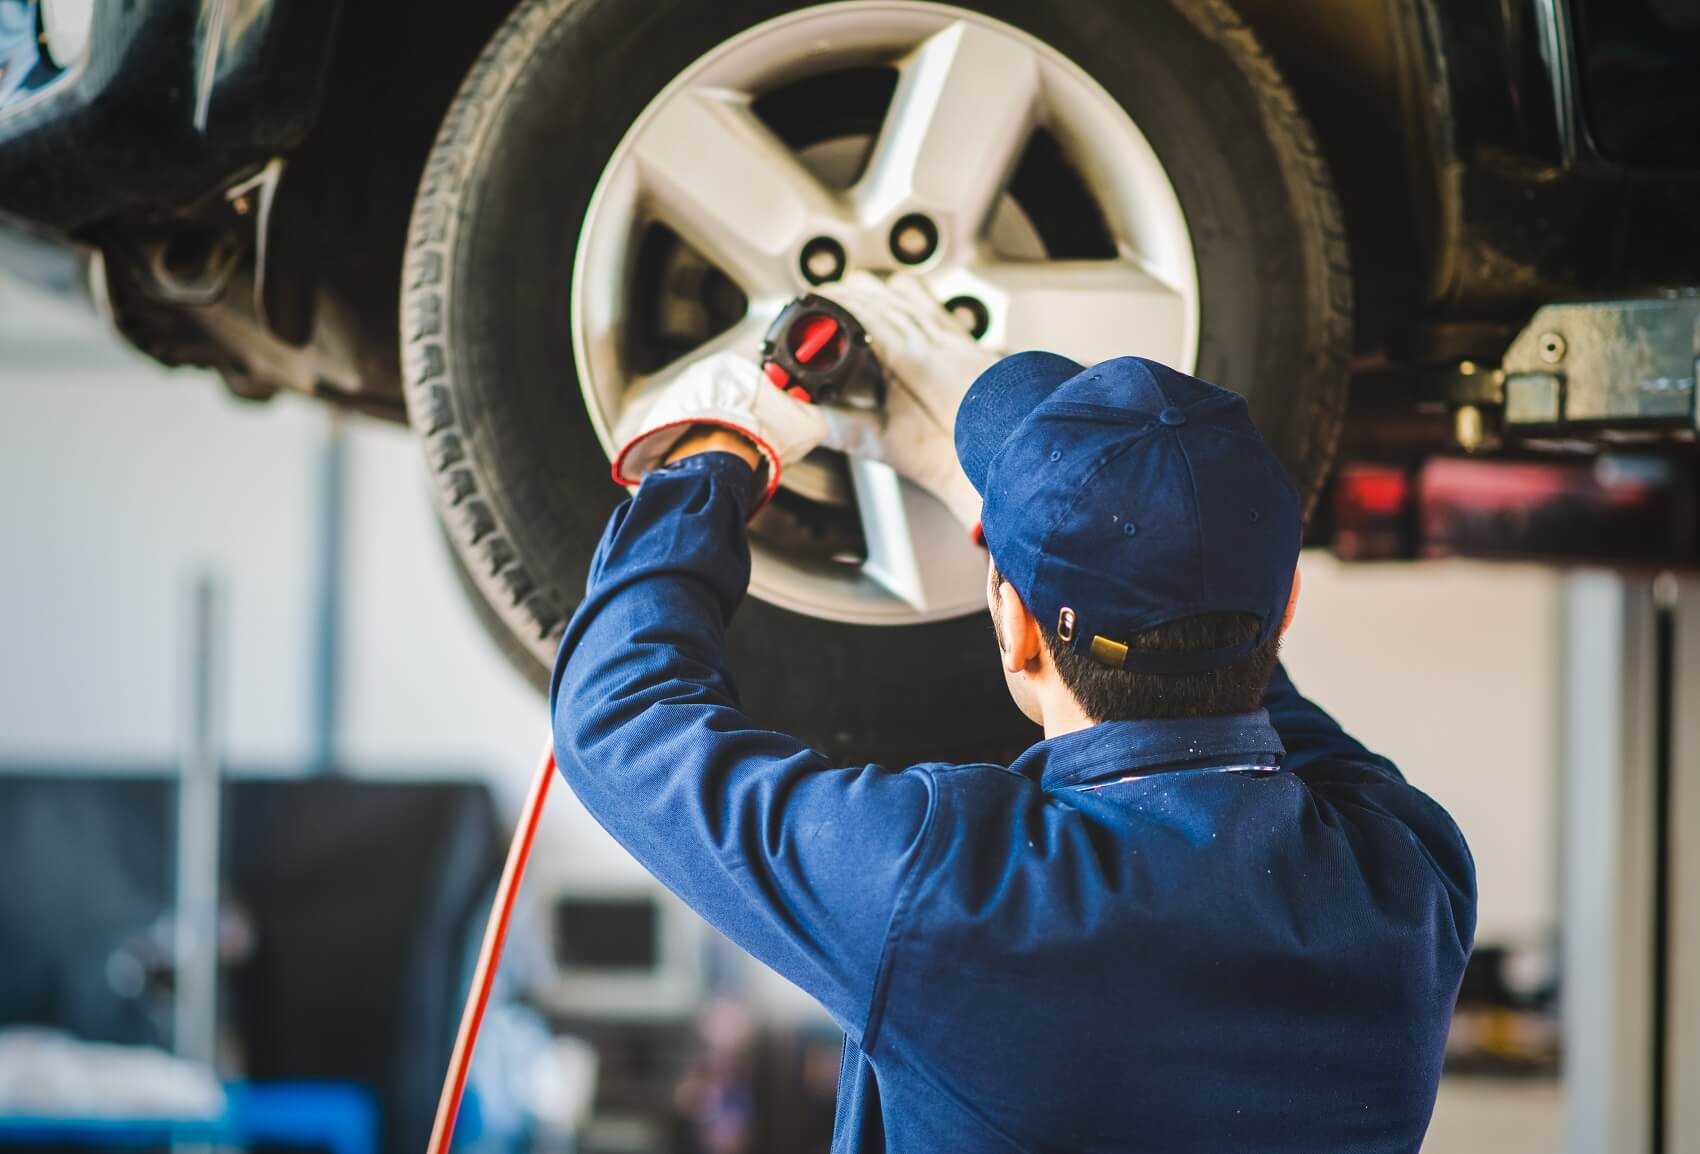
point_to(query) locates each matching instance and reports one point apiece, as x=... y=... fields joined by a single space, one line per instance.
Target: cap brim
x=1000 y=399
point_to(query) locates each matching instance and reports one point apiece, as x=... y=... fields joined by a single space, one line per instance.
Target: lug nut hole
x=822 y=260
x=914 y=239
x=970 y=314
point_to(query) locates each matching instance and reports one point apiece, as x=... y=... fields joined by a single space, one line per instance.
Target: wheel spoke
x=916 y=550
x=715 y=174
x=962 y=112
x=1088 y=310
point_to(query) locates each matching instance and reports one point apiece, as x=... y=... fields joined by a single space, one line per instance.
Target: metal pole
x=1607 y=876
x=1682 y=1053
x=195 y=1009
x=1664 y=594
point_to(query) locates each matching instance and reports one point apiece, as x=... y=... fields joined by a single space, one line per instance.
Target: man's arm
x=1338 y=767
x=1309 y=734
x=714 y=439
x=801 y=863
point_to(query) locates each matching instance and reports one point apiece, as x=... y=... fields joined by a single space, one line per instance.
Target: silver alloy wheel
x=970 y=92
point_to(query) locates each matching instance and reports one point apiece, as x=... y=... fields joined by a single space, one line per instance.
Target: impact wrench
x=818 y=353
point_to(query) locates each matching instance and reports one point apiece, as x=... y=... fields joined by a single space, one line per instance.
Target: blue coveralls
x=1232 y=934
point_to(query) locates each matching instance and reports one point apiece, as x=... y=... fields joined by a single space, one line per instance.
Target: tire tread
x=428 y=385
x=1328 y=344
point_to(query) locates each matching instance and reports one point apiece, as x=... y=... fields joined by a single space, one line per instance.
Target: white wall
x=120 y=484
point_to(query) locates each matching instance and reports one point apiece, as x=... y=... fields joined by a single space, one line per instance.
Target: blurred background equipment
x=350 y=911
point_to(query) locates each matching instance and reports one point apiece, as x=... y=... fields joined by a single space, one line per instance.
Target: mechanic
x=1196 y=916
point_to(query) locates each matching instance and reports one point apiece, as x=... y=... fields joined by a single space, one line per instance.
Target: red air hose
x=490 y=957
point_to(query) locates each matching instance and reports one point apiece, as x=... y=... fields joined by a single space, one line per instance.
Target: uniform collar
x=1122 y=747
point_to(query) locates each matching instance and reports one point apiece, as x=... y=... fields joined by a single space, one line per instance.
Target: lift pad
x=1610 y=370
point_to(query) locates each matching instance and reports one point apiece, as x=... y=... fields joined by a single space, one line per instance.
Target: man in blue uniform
x=1197 y=916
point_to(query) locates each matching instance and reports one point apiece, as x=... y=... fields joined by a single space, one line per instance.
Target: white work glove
x=730 y=391
x=929 y=363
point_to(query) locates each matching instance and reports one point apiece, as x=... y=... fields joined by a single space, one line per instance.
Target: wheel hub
x=928 y=190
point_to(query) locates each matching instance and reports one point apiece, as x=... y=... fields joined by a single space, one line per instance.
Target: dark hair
x=1107 y=694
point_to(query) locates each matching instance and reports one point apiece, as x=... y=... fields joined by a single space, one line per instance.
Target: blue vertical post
x=326 y=689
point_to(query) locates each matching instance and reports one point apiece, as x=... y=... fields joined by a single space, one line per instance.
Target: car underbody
x=264 y=240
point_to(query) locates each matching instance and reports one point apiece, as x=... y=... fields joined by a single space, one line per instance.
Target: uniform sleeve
x=801 y=863
x=1343 y=773
x=1309 y=735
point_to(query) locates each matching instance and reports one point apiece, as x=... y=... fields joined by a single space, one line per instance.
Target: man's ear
x=1292 y=601
x=1018 y=632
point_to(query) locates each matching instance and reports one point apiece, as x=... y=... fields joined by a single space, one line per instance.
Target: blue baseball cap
x=1125 y=496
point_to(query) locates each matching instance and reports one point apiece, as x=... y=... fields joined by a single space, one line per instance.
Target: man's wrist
x=715 y=439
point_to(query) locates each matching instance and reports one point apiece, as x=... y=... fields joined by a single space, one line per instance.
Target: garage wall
x=120 y=483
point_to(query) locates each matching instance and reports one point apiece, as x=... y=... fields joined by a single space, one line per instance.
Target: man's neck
x=1062 y=715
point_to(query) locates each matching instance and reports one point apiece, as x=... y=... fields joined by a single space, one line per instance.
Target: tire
x=521 y=478
x=513 y=650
